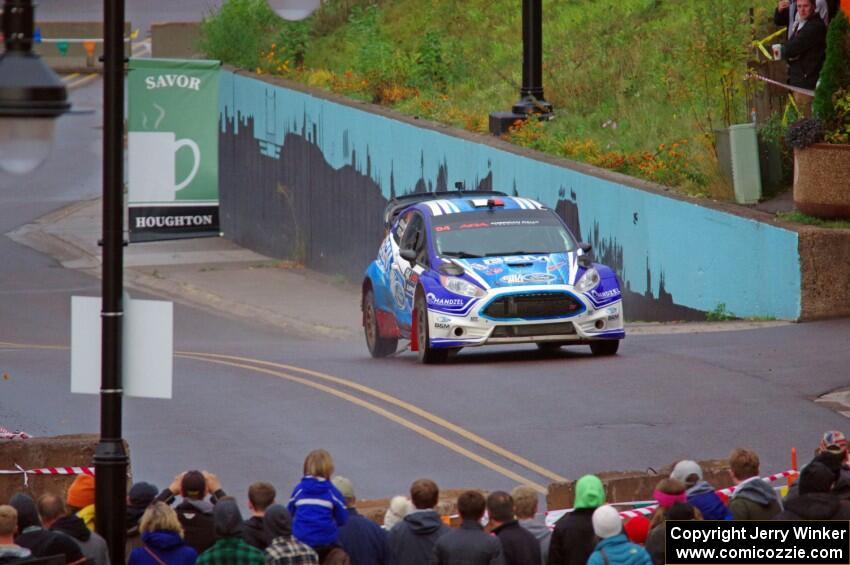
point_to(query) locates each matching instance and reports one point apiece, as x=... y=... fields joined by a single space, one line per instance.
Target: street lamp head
x=294 y=9
x=31 y=94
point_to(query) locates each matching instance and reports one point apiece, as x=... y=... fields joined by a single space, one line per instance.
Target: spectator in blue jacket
x=316 y=506
x=162 y=539
x=363 y=540
x=700 y=493
x=614 y=548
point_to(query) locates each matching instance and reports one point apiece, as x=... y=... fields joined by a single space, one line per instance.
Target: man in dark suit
x=805 y=53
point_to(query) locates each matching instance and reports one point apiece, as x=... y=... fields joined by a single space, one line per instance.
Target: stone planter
x=822 y=180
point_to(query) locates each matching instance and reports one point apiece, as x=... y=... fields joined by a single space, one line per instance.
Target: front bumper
x=476 y=328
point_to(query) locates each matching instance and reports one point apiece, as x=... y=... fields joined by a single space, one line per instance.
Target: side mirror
x=585 y=259
x=408 y=254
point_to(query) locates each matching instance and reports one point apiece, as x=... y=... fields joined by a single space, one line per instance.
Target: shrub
x=805 y=132
x=835 y=74
x=240 y=32
x=293 y=40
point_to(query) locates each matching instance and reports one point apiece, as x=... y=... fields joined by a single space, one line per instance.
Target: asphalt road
x=390 y=421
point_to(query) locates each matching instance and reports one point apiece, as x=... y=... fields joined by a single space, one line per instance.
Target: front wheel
x=427 y=354
x=378 y=346
x=605 y=348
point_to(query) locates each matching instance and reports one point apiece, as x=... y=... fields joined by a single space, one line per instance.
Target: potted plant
x=822 y=143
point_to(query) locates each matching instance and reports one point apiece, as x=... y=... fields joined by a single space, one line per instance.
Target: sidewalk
x=212 y=273
x=217 y=275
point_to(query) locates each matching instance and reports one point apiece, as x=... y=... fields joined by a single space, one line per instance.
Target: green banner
x=172 y=148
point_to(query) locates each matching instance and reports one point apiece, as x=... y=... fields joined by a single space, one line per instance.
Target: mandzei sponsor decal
x=438 y=301
x=612 y=293
x=441 y=326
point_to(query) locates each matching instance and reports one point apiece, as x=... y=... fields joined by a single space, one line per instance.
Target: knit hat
x=670 y=491
x=398 y=509
x=344 y=486
x=227 y=518
x=637 y=529
x=833 y=440
x=606 y=522
x=589 y=492
x=816 y=477
x=193 y=485
x=142 y=494
x=81 y=492
x=685 y=469
x=278 y=521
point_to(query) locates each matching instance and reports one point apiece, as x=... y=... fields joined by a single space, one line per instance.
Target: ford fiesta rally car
x=470 y=268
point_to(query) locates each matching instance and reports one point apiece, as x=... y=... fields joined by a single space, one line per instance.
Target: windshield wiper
x=461 y=254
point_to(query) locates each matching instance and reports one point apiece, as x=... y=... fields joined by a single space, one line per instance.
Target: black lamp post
x=110 y=459
x=531 y=100
x=31 y=95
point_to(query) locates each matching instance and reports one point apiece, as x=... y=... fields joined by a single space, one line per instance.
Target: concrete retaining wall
x=627 y=486
x=175 y=40
x=305 y=175
x=825 y=264
x=36 y=453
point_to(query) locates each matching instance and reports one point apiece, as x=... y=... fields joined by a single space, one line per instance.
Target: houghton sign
x=172 y=148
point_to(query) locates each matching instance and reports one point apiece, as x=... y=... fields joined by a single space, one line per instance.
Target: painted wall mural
x=307 y=178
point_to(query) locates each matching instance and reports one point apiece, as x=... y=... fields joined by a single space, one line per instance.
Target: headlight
x=460 y=286
x=588 y=281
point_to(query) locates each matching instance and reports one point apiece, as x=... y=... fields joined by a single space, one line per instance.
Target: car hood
x=523 y=270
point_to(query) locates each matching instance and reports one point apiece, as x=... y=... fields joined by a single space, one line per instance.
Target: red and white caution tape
x=48 y=471
x=554 y=515
x=17 y=434
x=786 y=86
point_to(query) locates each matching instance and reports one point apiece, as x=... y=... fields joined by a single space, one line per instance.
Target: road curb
x=36 y=236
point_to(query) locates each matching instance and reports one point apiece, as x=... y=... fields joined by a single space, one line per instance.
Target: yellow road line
x=81 y=81
x=244 y=362
x=70 y=77
x=381 y=412
x=10 y=345
x=141 y=47
x=542 y=471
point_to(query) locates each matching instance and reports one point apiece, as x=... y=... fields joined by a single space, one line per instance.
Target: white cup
x=777 y=51
x=151 y=165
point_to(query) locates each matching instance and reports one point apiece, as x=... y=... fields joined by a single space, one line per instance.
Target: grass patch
x=638 y=86
x=800 y=218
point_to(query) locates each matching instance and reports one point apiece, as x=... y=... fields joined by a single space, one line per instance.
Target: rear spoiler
x=399 y=203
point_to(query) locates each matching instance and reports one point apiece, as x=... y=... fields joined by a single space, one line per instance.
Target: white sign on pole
x=148 y=347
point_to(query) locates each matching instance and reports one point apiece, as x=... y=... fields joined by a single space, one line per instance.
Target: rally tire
x=427 y=354
x=605 y=348
x=378 y=346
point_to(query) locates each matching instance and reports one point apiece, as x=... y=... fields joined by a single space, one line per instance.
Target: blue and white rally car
x=470 y=268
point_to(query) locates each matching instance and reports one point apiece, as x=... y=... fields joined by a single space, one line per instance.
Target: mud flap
x=414 y=333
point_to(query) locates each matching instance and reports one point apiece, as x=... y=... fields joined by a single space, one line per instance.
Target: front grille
x=533 y=305
x=528 y=330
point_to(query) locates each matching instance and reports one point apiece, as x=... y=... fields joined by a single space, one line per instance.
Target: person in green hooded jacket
x=573 y=539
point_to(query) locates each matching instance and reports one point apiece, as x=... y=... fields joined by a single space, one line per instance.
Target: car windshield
x=500 y=233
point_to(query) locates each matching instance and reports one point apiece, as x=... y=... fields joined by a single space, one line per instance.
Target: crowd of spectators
x=320 y=523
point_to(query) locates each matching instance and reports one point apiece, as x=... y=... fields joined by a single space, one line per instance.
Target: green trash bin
x=738 y=152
